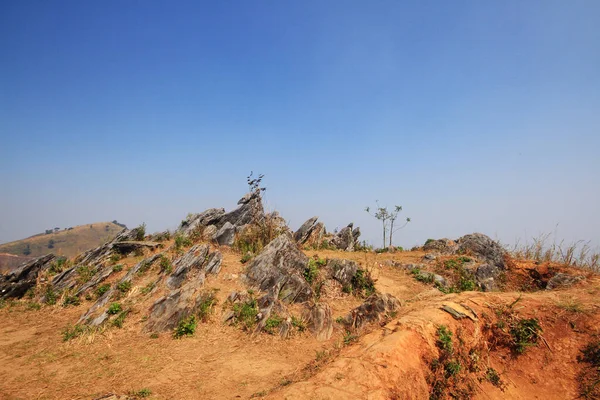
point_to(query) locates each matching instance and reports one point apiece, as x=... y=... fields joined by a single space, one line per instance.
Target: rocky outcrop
x=346 y=239
x=18 y=282
x=129 y=246
x=279 y=269
x=482 y=247
x=304 y=232
x=375 y=308
x=562 y=280
x=195 y=221
x=193 y=259
x=342 y=270
x=225 y=235
x=442 y=246
x=213 y=263
x=486 y=277
x=320 y=322
x=167 y=311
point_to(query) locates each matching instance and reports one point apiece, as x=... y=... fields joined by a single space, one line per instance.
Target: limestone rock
x=483 y=247
x=303 y=233
x=167 y=311
x=279 y=268
x=225 y=235
x=375 y=308
x=193 y=259
x=346 y=239
x=129 y=246
x=320 y=322
x=486 y=277
x=206 y=218
x=442 y=246
x=19 y=281
x=342 y=270
x=213 y=264
x=562 y=280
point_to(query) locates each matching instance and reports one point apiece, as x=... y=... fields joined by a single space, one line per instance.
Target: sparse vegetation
x=148 y=288
x=387 y=218
x=72 y=332
x=114 y=308
x=118 y=322
x=71 y=301
x=140 y=232
x=589 y=377
x=50 y=295
x=165 y=265
x=298 y=323
x=514 y=332
x=245 y=313
x=182 y=241
x=142 y=393
x=363 y=284
x=102 y=289
x=59 y=265
x=186 y=327
x=85 y=273
x=118 y=268
x=205 y=305
x=272 y=323
x=124 y=286
x=311 y=272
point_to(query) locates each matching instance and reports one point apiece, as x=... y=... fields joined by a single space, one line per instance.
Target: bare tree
x=388 y=220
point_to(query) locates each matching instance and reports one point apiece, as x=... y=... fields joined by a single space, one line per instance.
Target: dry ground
x=224 y=362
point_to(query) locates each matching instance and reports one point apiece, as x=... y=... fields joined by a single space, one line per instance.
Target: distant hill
x=8 y=262
x=67 y=242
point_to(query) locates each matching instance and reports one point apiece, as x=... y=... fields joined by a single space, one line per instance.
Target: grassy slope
x=67 y=243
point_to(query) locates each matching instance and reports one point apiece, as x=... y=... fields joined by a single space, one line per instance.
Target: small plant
x=298 y=323
x=493 y=377
x=165 y=265
x=33 y=306
x=148 y=288
x=59 y=265
x=340 y=320
x=363 y=284
x=118 y=322
x=182 y=241
x=115 y=257
x=246 y=257
x=272 y=323
x=525 y=333
x=205 y=305
x=85 y=273
x=140 y=232
x=452 y=368
x=50 y=295
x=142 y=393
x=311 y=271
x=71 y=332
x=349 y=337
x=245 y=313
x=124 y=286
x=186 y=327
x=444 y=341
x=118 y=268
x=102 y=289
x=114 y=308
x=71 y=301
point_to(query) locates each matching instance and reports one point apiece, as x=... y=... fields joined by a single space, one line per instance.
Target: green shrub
x=182 y=241
x=205 y=305
x=71 y=301
x=493 y=377
x=124 y=286
x=186 y=327
x=85 y=273
x=311 y=271
x=452 y=368
x=118 y=268
x=50 y=295
x=298 y=323
x=165 y=264
x=59 y=265
x=140 y=232
x=114 y=308
x=525 y=333
x=102 y=289
x=71 y=332
x=246 y=257
x=444 y=341
x=363 y=284
x=115 y=257
x=142 y=393
x=118 y=322
x=272 y=323
x=148 y=288
x=245 y=313
x=349 y=337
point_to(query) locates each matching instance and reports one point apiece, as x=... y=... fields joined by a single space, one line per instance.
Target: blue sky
x=473 y=115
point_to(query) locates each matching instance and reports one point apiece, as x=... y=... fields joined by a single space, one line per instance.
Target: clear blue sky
x=473 y=115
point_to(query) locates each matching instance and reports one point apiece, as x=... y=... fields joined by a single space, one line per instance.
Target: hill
x=8 y=262
x=67 y=242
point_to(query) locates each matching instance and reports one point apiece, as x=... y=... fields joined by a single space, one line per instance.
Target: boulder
x=304 y=232
x=486 y=276
x=129 y=246
x=319 y=320
x=18 y=282
x=279 y=269
x=483 y=247
x=213 y=264
x=342 y=270
x=167 y=311
x=250 y=210
x=225 y=235
x=206 y=218
x=375 y=308
x=193 y=259
x=345 y=239
x=562 y=280
x=443 y=246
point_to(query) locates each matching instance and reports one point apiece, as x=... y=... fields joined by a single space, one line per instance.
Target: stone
x=250 y=210
x=486 y=277
x=167 y=311
x=129 y=246
x=344 y=240
x=342 y=270
x=225 y=236
x=193 y=259
x=213 y=264
x=374 y=309
x=303 y=233
x=279 y=269
x=320 y=322
x=442 y=246
x=483 y=247
x=19 y=281
x=206 y=218
x=562 y=280
x=429 y=257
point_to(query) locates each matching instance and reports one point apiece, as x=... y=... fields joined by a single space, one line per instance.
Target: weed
x=205 y=305
x=144 y=266
x=340 y=320
x=444 y=341
x=154 y=336
x=118 y=322
x=142 y=393
x=272 y=323
x=50 y=295
x=245 y=313
x=140 y=232
x=182 y=241
x=246 y=257
x=115 y=257
x=349 y=337
x=186 y=327
x=124 y=286
x=148 y=288
x=298 y=323
x=118 y=268
x=71 y=301
x=525 y=333
x=452 y=368
x=363 y=284
x=85 y=273
x=71 y=332
x=33 y=306
x=102 y=289
x=311 y=271
x=165 y=265
x=572 y=306
x=493 y=377
x=114 y=308
x=59 y=265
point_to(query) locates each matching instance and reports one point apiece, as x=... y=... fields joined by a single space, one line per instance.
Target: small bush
x=186 y=327
x=349 y=337
x=246 y=257
x=71 y=301
x=298 y=323
x=118 y=268
x=525 y=333
x=114 y=308
x=140 y=232
x=311 y=271
x=444 y=341
x=59 y=265
x=71 y=332
x=124 y=286
x=115 y=257
x=363 y=284
x=148 y=288
x=205 y=306
x=493 y=377
x=272 y=323
x=452 y=368
x=50 y=295
x=245 y=313
x=182 y=241
x=85 y=273
x=118 y=322
x=102 y=289
x=142 y=393
x=165 y=265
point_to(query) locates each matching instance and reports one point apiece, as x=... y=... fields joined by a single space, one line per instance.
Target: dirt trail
x=223 y=362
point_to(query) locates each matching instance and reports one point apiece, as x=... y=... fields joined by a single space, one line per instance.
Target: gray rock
x=429 y=257
x=210 y=231
x=320 y=322
x=129 y=246
x=213 y=265
x=375 y=308
x=303 y=233
x=206 y=218
x=342 y=270
x=250 y=210
x=562 y=280
x=193 y=259
x=19 y=281
x=442 y=246
x=344 y=239
x=225 y=235
x=167 y=311
x=483 y=247
x=279 y=269
x=486 y=276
